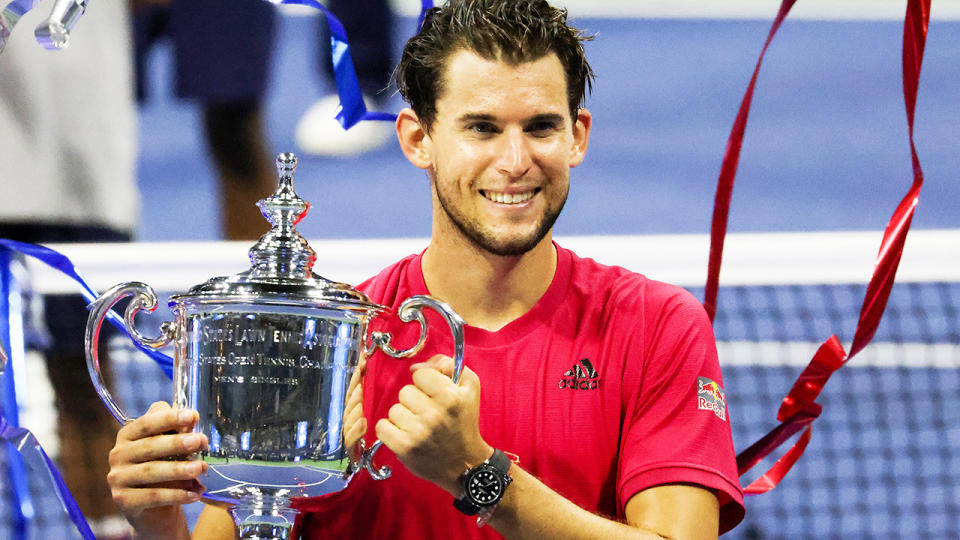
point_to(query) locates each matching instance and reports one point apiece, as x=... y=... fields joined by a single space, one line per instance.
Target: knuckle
x=406 y=393
x=431 y=418
x=115 y=456
x=113 y=477
x=395 y=412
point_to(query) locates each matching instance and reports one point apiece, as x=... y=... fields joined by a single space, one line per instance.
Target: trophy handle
x=410 y=309
x=144 y=297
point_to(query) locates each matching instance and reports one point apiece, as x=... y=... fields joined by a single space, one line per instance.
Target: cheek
x=461 y=161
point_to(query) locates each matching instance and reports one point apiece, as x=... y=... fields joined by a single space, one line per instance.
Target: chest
x=552 y=402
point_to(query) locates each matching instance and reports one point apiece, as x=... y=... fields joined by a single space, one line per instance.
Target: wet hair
x=512 y=31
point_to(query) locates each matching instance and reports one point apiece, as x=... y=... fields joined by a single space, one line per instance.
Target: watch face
x=485 y=487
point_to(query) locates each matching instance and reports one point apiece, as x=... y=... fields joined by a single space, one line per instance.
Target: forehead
x=472 y=83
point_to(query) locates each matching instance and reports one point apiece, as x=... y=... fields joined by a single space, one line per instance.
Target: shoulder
x=391 y=282
x=625 y=291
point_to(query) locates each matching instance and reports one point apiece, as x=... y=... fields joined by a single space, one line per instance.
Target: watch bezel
x=473 y=475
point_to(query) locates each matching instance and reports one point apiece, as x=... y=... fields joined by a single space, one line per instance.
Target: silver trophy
x=268 y=357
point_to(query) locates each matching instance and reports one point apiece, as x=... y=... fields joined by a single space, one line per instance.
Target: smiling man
x=582 y=411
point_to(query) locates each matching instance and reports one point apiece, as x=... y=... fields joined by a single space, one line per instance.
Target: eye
x=483 y=128
x=542 y=128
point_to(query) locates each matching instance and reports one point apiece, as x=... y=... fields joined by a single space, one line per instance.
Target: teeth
x=508 y=198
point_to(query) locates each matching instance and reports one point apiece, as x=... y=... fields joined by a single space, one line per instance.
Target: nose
x=515 y=157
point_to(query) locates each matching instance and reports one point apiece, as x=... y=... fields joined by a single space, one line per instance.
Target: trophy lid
x=282 y=261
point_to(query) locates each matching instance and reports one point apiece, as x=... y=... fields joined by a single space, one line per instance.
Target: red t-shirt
x=609 y=385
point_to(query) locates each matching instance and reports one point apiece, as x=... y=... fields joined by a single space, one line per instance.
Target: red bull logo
x=710 y=397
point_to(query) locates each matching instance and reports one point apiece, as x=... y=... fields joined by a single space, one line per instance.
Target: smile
x=508 y=198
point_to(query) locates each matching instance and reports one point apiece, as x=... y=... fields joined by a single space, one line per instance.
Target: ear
x=581 y=137
x=414 y=140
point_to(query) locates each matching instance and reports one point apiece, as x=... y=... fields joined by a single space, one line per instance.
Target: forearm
x=530 y=509
x=165 y=523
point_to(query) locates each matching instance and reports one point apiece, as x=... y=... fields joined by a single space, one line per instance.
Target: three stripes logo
x=582 y=376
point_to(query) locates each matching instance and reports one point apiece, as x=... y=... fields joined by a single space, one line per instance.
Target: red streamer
x=799 y=410
x=728 y=173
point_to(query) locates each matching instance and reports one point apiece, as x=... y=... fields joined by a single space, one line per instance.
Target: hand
x=143 y=481
x=354 y=423
x=434 y=428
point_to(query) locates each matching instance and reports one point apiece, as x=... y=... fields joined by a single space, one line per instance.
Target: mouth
x=509 y=198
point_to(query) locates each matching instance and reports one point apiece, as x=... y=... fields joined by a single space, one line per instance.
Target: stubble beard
x=486 y=239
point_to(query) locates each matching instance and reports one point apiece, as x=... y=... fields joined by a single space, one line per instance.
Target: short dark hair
x=513 y=31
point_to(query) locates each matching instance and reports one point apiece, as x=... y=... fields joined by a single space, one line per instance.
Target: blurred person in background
x=222 y=51
x=370 y=28
x=67 y=167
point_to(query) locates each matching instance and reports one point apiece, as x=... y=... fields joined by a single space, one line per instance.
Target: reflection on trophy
x=268 y=357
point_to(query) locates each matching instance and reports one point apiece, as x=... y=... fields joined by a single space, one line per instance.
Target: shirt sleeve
x=676 y=424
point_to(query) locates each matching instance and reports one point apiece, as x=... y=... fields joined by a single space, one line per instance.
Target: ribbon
x=11 y=15
x=352 y=108
x=26 y=445
x=22 y=509
x=728 y=173
x=799 y=410
x=61 y=262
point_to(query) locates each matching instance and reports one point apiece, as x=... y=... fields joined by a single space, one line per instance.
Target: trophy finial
x=286 y=163
x=283 y=252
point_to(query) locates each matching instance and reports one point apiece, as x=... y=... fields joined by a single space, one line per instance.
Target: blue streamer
x=62 y=263
x=352 y=107
x=22 y=510
x=11 y=15
x=27 y=446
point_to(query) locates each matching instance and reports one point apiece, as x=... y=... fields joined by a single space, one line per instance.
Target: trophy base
x=267 y=518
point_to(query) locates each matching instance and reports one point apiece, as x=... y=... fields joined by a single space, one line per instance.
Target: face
x=500 y=150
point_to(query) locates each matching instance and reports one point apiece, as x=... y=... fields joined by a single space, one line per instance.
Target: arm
x=530 y=509
x=434 y=431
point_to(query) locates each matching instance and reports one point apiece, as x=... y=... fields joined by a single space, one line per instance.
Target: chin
x=511 y=247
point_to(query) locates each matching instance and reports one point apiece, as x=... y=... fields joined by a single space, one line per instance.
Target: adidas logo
x=582 y=376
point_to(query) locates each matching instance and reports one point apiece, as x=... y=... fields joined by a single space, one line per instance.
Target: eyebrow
x=548 y=117
x=483 y=117
x=475 y=117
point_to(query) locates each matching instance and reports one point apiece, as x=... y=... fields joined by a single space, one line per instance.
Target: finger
x=403 y=418
x=470 y=380
x=354 y=433
x=157 y=447
x=392 y=436
x=443 y=364
x=158 y=420
x=432 y=382
x=158 y=406
x=352 y=415
x=355 y=394
x=414 y=399
x=155 y=473
x=141 y=499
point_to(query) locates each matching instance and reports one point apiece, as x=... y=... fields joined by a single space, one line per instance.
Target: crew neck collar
x=519 y=327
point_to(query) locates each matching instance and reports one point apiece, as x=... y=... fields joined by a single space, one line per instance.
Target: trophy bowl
x=268 y=357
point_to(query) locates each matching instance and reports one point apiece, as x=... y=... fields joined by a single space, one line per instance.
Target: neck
x=487 y=290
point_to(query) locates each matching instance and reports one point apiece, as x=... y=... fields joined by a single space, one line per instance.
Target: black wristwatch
x=484 y=485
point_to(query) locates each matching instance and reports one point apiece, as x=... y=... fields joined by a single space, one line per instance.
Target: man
x=601 y=386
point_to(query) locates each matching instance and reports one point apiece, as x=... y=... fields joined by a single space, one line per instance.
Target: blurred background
x=826 y=147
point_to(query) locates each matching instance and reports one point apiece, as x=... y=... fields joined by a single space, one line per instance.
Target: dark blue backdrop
x=826 y=147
